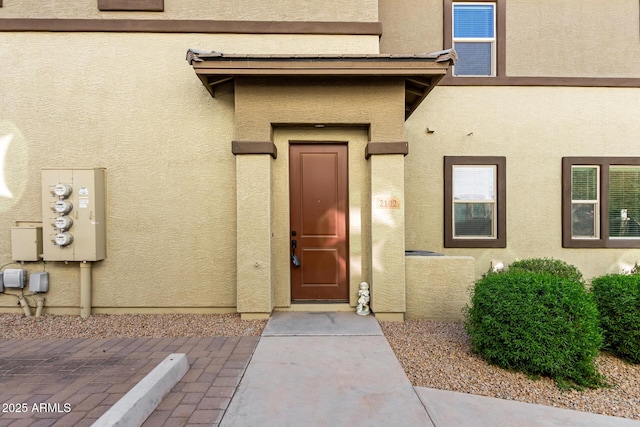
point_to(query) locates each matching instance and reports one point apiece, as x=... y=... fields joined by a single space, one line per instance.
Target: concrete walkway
x=311 y=369
x=337 y=369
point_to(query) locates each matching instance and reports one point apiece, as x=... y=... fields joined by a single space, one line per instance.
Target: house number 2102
x=388 y=203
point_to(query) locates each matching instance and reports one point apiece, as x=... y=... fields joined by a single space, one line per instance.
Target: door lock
x=294 y=258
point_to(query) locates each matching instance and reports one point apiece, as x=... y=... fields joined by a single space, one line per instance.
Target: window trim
x=500 y=240
x=500 y=40
x=603 y=241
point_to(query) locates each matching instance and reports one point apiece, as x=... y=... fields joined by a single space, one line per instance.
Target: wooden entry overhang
x=421 y=72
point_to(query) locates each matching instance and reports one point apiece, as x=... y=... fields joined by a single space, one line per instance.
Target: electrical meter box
x=74 y=214
x=26 y=242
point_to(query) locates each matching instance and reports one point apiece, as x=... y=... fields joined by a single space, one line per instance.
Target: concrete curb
x=135 y=406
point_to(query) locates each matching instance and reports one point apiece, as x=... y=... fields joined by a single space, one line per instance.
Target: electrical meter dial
x=62 y=190
x=63 y=206
x=64 y=239
x=63 y=222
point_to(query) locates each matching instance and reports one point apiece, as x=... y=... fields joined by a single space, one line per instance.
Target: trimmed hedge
x=618 y=299
x=539 y=324
x=547 y=265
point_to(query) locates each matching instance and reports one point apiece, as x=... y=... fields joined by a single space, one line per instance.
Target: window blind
x=584 y=183
x=474 y=183
x=473 y=21
x=624 y=201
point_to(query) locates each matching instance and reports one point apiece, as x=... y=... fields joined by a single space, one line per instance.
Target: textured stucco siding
x=533 y=127
x=236 y=10
x=130 y=103
x=438 y=287
x=411 y=26
x=164 y=144
x=387 y=235
x=261 y=103
x=574 y=38
x=254 y=234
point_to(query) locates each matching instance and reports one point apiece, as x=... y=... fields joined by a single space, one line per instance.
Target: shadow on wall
x=438 y=286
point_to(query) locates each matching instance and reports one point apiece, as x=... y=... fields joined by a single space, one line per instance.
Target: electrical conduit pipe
x=39 y=305
x=25 y=306
x=85 y=289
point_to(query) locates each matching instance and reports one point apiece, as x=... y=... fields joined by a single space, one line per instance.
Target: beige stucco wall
x=438 y=287
x=387 y=236
x=261 y=103
x=533 y=127
x=147 y=123
x=574 y=38
x=254 y=252
x=411 y=26
x=243 y=10
x=132 y=104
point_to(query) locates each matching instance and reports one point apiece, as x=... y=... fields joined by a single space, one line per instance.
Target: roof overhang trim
x=421 y=72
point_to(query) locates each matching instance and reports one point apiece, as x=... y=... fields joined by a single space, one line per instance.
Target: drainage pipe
x=85 y=289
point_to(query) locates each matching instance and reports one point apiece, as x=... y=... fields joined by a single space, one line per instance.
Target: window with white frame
x=474 y=38
x=475 y=205
x=601 y=202
x=585 y=202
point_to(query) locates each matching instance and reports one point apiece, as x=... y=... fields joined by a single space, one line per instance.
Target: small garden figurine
x=363 y=300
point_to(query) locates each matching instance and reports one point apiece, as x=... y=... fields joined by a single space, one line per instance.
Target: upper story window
x=474 y=38
x=601 y=202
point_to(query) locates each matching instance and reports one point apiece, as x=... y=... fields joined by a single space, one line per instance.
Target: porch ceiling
x=421 y=72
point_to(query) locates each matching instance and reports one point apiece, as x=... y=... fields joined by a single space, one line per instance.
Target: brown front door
x=319 y=215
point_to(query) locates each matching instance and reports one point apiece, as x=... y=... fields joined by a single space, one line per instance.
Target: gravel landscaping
x=433 y=354
x=438 y=355
x=129 y=326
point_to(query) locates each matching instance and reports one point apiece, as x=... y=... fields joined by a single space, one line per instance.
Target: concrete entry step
x=321 y=324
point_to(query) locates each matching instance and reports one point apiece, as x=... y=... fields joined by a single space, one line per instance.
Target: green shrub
x=539 y=324
x=547 y=265
x=618 y=299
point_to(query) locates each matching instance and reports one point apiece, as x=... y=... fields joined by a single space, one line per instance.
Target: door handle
x=294 y=258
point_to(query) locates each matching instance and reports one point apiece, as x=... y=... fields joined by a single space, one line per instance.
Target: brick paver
x=73 y=382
